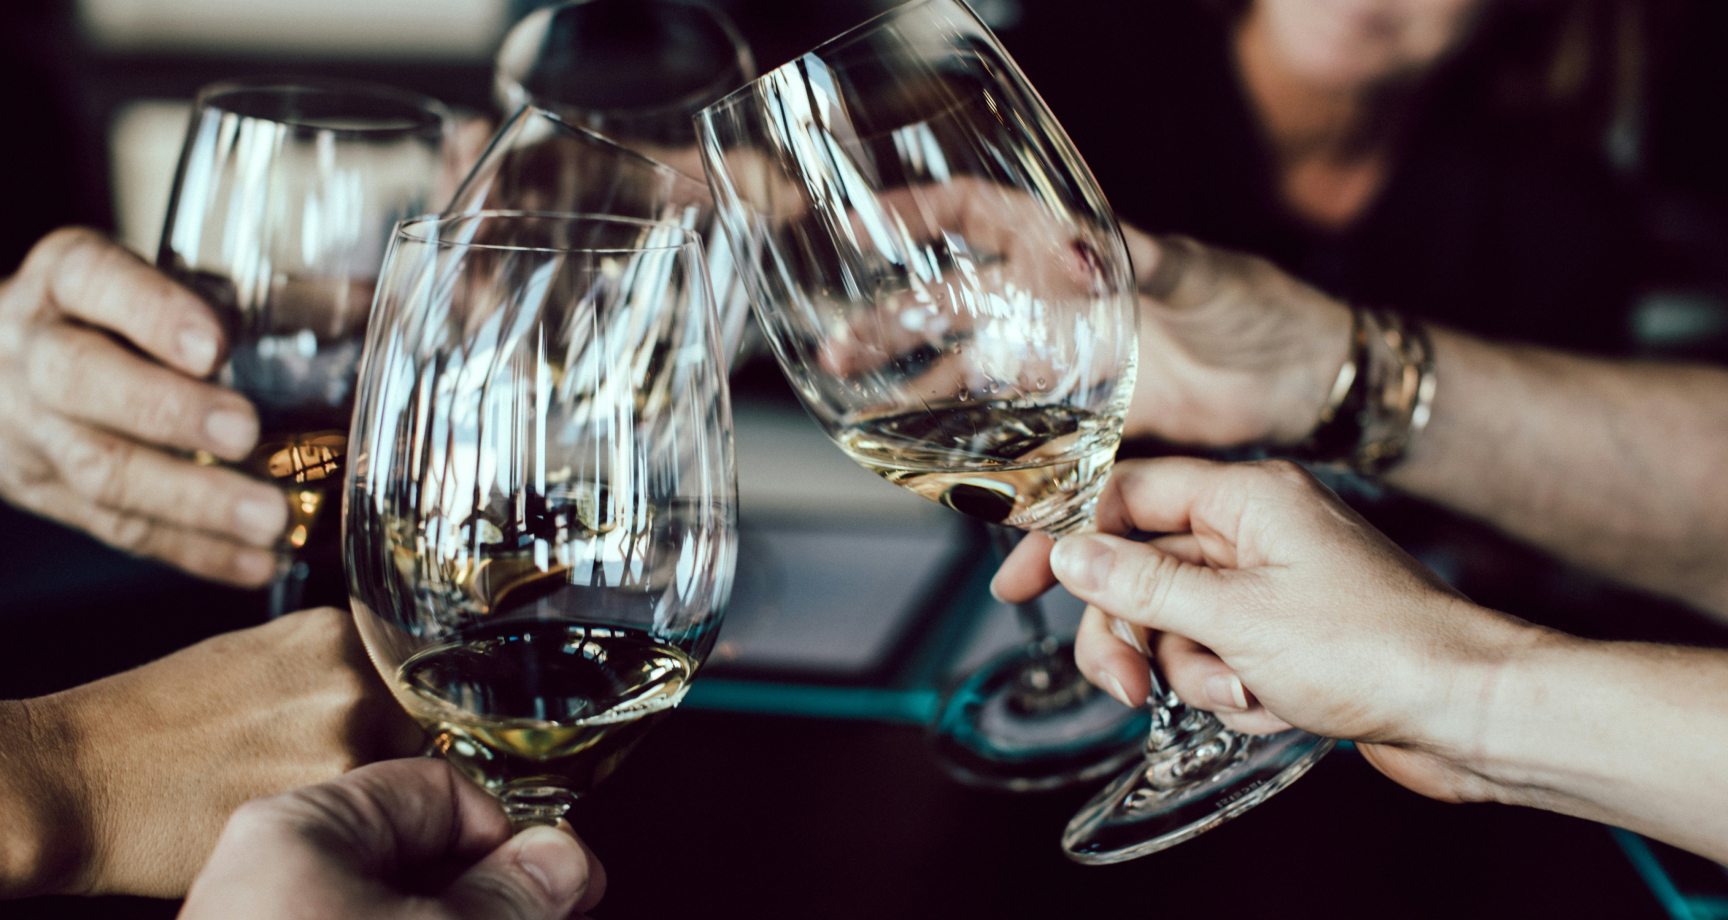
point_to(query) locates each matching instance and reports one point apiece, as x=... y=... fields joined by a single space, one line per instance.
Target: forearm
x=1614 y=466
x=40 y=841
x=1628 y=734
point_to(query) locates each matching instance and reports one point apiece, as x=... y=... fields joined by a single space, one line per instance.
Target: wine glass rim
x=431 y=111
x=742 y=57
x=406 y=229
x=589 y=134
x=845 y=38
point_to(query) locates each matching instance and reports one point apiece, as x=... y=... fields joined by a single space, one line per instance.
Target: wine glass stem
x=536 y=806
x=288 y=588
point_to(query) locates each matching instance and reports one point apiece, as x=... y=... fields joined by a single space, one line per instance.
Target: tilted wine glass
x=282 y=207
x=540 y=515
x=634 y=71
x=941 y=279
x=537 y=161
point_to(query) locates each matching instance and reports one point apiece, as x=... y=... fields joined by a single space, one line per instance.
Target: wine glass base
x=534 y=806
x=1152 y=807
x=987 y=735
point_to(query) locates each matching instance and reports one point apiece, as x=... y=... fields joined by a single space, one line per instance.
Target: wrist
x=43 y=834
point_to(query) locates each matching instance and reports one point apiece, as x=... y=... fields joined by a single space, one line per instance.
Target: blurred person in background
x=1519 y=170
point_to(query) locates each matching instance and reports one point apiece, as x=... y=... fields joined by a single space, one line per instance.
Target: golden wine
x=307 y=466
x=1036 y=468
x=537 y=704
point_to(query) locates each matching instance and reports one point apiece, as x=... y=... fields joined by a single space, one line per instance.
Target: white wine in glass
x=541 y=518
x=948 y=291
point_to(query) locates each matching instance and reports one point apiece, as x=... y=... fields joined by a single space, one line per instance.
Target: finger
x=92 y=278
x=1025 y=574
x=83 y=374
x=192 y=551
x=428 y=810
x=127 y=477
x=540 y=874
x=1204 y=498
x=1184 y=546
x=1162 y=266
x=1141 y=584
x=1112 y=664
x=1202 y=680
x=596 y=872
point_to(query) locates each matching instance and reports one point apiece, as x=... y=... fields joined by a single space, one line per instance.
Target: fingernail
x=1116 y=690
x=261 y=520
x=554 y=859
x=232 y=430
x=198 y=350
x=1225 y=691
x=1082 y=562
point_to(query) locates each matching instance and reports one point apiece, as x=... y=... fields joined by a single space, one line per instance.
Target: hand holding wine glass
x=342 y=849
x=102 y=399
x=945 y=286
x=282 y=205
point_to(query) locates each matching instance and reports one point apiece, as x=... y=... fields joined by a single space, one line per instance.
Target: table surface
x=774 y=815
x=722 y=814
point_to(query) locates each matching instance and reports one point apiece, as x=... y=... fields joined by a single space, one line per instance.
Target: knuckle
x=57 y=245
x=96 y=468
x=51 y=363
x=1151 y=582
x=126 y=532
x=1287 y=473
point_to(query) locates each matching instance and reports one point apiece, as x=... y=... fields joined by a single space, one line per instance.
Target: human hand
x=378 y=842
x=1232 y=349
x=101 y=360
x=1295 y=612
x=146 y=765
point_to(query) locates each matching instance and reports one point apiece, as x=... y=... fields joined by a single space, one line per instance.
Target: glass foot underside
x=1028 y=722
x=1182 y=792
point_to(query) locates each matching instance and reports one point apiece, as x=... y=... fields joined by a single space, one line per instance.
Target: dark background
x=738 y=815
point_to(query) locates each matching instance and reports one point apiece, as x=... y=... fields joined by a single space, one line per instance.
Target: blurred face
x=1348 y=43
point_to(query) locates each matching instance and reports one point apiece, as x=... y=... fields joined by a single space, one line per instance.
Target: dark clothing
x=1482 y=225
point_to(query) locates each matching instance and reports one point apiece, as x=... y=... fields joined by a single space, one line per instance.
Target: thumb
x=539 y=874
x=1138 y=583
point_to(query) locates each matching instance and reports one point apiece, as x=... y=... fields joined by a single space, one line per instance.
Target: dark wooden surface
x=726 y=814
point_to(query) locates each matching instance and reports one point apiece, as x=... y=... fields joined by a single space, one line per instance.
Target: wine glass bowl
x=540 y=517
x=932 y=265
x=537 y=161
x=941 y=280
x=282 y=207
x=632 y=70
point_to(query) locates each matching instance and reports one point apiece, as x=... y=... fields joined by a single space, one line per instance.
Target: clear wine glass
x=283 y=204
x=941 y=279
x=539 y=162
x=540 y=515
x=631 y=70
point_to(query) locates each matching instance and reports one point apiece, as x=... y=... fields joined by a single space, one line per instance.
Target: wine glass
x=539 y=162
x=540 y=516
x=632 y=70
x=283 y=203
x=941 y=279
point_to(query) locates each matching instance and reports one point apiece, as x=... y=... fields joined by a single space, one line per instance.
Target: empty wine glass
x=539 y=162
x=541 y=514
x=284 y=201
x=941 y=279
